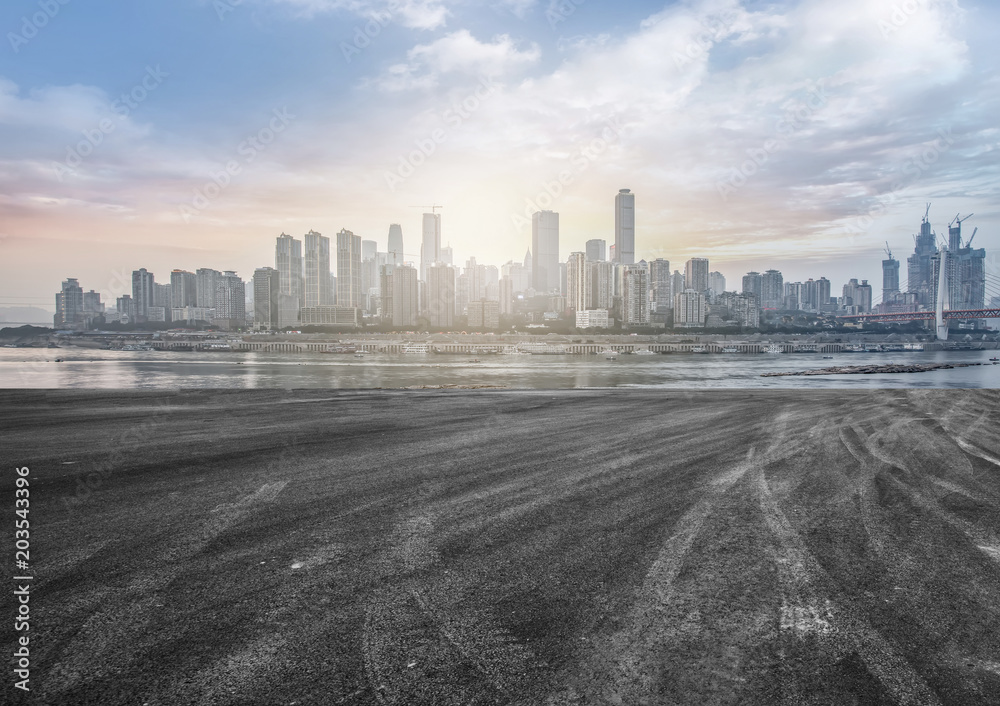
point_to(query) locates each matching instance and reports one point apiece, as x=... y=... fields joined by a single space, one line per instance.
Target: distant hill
x=20 y=332
x=25 y=315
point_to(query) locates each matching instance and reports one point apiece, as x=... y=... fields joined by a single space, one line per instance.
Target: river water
x=81 y=368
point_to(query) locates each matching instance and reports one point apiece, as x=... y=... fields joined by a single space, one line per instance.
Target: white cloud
x=457 y=53
x=417 y=14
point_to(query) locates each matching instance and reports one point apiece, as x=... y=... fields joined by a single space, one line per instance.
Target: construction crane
x=927 y=212
x=432 y=208
x=887 y=250
x=974 y=231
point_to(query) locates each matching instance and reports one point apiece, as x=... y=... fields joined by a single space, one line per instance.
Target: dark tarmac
x=505 y=547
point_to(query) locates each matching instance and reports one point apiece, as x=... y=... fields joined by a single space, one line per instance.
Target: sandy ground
x=495 y=547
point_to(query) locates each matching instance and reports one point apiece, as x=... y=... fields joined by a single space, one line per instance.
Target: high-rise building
x=404 y=296
x=230 y=301
x=430 y=245
x=966 y=272
x=625 y=227
x=441 y=295
x=395 y=245
x=506 y=295
x=716 y=282
x=206 y=279
x=447 y=255
x=676 y=285
x=183 y=289
x=597 y=249
x=126 y=309
x=349 y=284
x=266 y=289
x=484 y=314
x=288 y=263
x=690 y=309
x=317 y=269
x=696 y=274
x=772 y=292
x=659 y=285
x=142 y=293
x=635 y=295
x=794 y=296
x=577 y=282
x=545 y=251
x=753 y=283
x=920 y=266
x=602 y=284
x=890 y=278
x=69 y=305
x=520 y=276
x=93 y=309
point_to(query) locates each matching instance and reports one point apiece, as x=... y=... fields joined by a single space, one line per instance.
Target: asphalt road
x=473 y=547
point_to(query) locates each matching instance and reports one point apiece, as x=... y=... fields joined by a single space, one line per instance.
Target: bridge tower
x=942 y=293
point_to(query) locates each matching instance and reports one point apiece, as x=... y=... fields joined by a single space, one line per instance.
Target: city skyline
x=528 y=109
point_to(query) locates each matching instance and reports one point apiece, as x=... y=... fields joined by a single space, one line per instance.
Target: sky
x=798 y=135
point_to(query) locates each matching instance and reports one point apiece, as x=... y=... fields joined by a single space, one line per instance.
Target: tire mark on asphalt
x=808 y=607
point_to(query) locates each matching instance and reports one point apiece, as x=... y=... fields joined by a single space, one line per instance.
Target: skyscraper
x=625 y=227
x=635 y=295
x=919 y=266
x=545 y=251
x=696 y=274
x=441 y=295
x=69 y=305
x=288 y=263
x=577 y=282
x=430 y=245
x=602 y=284
x=659 y=285
x=890 y=279
x=206 y=279
x=143 y=292
x=690 y=309
x=716 y=282
x=349 y=270
x=404 y=296
x=266 y=289
x=597 y=249
x=317 y=263
x=183 y=289
x=447 y=255
x=753 y=283
x=772 y=291
x=395 y=245
x=230 y=301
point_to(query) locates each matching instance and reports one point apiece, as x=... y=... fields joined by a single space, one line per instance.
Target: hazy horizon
x=792 y=135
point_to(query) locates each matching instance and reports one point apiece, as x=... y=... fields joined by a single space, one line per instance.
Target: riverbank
x=891 y=368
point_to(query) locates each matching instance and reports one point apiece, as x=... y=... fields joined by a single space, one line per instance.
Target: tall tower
x=395 y=245
x=772 y=290
x=545 y=251
x=577 y=282
x=625 y=227
x=597 y=249
x=430 y=245
x=659 y=285
x=696 y=274
x=265 y=298
x=317 y=261
x=69 y=304
x=288 y=263
x=635 y=296
x=920 y=265
x=142 y=293
x=349 y=269
x=441 y=295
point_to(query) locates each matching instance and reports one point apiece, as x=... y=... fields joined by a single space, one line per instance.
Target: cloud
x=457 y=53
x=416 y=14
